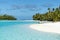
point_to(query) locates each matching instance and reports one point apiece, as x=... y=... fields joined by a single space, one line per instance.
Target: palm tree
x=49 y=10
x=53 y=9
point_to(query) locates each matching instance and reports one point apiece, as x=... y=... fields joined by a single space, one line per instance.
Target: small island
x=7 y=17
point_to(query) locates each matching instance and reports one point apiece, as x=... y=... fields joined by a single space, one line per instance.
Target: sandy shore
x=47 y=27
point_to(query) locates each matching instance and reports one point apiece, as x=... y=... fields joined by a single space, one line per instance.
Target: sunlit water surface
x=19 y=30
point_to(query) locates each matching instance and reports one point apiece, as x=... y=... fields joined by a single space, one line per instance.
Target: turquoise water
x=19 y=30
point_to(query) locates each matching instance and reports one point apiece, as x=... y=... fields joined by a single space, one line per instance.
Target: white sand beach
x=47 y=27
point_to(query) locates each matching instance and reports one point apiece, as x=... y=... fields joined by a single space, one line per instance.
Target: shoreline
x=47 y=27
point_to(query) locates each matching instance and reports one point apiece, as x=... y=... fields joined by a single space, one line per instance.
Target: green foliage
x=51 y=15
x=7 y=17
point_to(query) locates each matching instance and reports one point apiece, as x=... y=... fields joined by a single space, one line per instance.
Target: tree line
x=52 y=15
x=7 y=17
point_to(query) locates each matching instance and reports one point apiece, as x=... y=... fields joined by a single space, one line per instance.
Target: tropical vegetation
x=52 y=15
x=7 y=17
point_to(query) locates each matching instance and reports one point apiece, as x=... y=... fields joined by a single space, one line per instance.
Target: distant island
x=52 y=15
x=7 y=17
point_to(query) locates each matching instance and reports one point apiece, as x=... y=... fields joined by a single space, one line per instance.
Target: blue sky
x=25 y=9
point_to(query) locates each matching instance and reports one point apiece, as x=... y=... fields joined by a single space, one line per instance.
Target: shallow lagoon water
x=19 y=30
